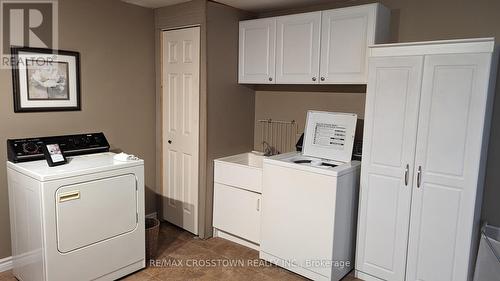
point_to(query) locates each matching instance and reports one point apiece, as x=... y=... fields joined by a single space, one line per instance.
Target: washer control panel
x=30 y=149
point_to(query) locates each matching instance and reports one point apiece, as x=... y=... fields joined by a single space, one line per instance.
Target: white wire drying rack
x=277 y=136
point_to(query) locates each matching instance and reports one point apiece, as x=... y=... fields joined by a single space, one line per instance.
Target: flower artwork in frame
x=45 y=80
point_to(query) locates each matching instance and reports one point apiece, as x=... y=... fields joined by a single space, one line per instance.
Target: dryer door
x=94 y=211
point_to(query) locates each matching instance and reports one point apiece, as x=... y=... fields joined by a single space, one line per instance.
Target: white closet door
x=345 y=36
x=180 y=126
x=297 y=48
x=452 y=110
x=256 y=51
x=388 y=155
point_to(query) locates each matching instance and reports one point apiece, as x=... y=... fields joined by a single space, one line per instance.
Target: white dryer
x=309 y=201
x=79 y=221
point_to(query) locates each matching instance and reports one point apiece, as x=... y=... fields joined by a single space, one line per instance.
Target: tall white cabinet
x=427 y=120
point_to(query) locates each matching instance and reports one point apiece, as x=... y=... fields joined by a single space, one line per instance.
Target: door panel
x=180 y=142
x=381 y=217
x=346 y=34
x=448 y=131
x=90 y=212
x=449 y=141
x=389 y=142
x=297 y=48
x=237 y=211
x=256 y=51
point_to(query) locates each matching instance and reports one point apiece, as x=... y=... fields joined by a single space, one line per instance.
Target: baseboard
x=235 y=239
x=153 y=215
x=364 y=276
x=5 y=264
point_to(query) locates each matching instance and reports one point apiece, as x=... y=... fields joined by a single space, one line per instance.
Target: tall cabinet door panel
x=297 y=48
x=449 y=141
x=345 y=35
x=256 y=51
x=388 y=155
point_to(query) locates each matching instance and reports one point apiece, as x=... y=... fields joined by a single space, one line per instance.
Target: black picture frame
x=17 y=87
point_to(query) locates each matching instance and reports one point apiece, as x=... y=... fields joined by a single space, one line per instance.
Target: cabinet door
x=388 y=154
x=345 y=36
x=256 y=51
x=237 y=211
x=449 y=142
x=297 y=52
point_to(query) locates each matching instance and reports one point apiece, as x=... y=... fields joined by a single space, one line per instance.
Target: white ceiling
x=248 y=5
x=155 y=3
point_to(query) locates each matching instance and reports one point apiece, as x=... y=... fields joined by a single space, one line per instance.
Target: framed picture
x=45 y=80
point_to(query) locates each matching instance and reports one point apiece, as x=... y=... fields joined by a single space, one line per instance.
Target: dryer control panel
x=30 y=149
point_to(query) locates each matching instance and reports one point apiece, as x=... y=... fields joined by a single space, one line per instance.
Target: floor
x=181 y=256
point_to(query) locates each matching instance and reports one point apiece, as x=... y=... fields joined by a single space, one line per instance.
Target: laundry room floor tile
x=7 y=276
x=182 y=256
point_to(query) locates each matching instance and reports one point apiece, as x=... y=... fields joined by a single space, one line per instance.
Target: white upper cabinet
x=345 y=36
x=324 y=47
x=297 y=48
x=256 y=51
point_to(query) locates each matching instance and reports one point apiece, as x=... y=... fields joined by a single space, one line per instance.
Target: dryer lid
x=77 y=165
x=329 y=135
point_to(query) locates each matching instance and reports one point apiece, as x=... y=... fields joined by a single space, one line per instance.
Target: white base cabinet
x=427 y=119
x=237 y=198
x=237 y=211
x=323 y=47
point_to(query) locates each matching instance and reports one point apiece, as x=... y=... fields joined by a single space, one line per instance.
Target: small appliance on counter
x=309 y=201
x=83 y=220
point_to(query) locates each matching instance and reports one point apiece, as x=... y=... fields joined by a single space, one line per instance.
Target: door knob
x=169 y=142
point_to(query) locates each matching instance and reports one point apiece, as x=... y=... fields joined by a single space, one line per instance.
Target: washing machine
x=309 y=201
x=80 y=221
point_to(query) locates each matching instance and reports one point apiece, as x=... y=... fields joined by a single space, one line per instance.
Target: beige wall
x=415 y=21
x=115 y=41
x=230 y=106
x=291 y=102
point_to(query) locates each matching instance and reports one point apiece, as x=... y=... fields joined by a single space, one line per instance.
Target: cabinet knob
x=322 y=78
x=169 y=142
x=314 y=78
x=419 y=176
x=270 y=78
x=407 y=170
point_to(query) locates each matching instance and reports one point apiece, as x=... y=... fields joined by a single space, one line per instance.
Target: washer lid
x=329 y=135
